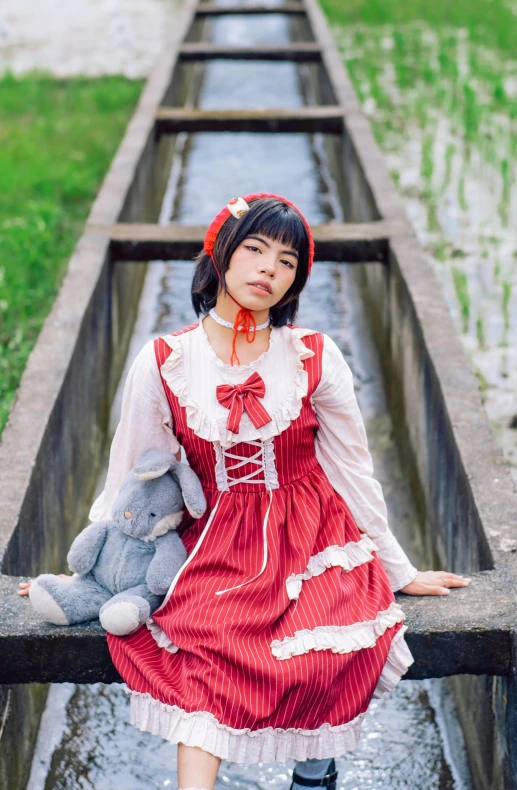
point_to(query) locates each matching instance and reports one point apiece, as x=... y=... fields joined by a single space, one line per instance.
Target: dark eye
x=251 y=247
x=152 y=514
x=291 y=265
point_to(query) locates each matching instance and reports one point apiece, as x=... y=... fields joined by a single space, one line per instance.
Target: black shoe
x=329 y=780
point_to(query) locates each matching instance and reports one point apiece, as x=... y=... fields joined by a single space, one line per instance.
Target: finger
x=437 y=591
x=23 y=592
x=453 y=580
x=24 y=584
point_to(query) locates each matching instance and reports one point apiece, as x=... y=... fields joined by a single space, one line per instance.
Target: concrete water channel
x=449 y=496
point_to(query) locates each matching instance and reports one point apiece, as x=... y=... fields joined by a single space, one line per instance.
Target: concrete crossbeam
x=346 y=242
x=211 y=9
x=172 y=120
x=301 y=51
x=467 y=632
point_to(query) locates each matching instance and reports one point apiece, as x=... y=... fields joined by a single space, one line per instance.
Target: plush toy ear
x=191 y=489
x=151 y=464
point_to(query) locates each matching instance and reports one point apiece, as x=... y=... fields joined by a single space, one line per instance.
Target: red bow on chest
x=241 y=397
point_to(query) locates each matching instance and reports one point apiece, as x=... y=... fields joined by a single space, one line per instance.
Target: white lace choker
x=228 y=324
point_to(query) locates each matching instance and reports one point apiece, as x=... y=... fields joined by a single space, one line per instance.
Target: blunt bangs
x=279 y=222
x=267 y=217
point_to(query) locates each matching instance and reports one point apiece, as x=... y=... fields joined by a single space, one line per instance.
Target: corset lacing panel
x=263 y=458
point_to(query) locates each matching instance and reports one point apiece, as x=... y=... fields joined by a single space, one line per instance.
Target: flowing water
x=409 y=739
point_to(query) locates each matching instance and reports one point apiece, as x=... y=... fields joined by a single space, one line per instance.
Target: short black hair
x=268 y=217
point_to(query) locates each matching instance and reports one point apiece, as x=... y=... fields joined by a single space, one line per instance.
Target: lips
x=262 y=284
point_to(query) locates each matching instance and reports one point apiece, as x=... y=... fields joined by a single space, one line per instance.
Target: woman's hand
x=25 y=586
x=434 y=583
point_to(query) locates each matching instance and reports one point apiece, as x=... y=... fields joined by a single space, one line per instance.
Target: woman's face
x=261 y=272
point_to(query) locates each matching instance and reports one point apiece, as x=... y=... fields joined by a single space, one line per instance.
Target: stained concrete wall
x=84 y=345
x=466 y=501
x=52 y=449
x=454 y=535
x=63 y=479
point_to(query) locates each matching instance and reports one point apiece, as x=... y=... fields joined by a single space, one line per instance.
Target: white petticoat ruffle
x=397 y=664
x=215 y=430
x=349 y=556
x=160 y=637
x=338 y=638
x=271 y=744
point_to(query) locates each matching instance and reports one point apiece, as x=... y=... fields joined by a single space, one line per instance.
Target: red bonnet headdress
x=239 y=206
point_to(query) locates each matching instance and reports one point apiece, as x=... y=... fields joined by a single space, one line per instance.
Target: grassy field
x=490 y=23
x=57 y=139
x=438 y=82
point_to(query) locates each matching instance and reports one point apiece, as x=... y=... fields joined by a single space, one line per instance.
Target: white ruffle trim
x=349 y=556
x=160 y=637
x=215 y=430
x=397 y=664
x=401 y=581
x=338 y=638
x=271 y=744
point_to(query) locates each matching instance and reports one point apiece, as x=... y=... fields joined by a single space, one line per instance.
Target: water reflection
x=101 y=751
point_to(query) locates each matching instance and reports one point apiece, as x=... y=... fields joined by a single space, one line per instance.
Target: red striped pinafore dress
x=277 y=631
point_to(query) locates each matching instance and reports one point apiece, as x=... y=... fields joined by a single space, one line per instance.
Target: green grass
x=490 y=23
x=507 y=292
x=57 y=139
x=462 y=293
x=438 y=83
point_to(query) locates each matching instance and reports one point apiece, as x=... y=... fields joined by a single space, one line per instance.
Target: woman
x=282 y=624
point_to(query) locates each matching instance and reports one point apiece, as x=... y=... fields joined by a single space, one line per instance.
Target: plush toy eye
x=127 y=514
x=152 y=514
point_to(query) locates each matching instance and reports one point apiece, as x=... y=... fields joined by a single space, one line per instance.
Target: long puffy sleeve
x=342 y=451
x=145 y=421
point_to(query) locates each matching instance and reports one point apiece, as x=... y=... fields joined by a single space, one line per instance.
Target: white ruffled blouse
x=193 y=371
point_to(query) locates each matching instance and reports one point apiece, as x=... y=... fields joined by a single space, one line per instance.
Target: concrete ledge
x=301 y=52
x=211 y=9
x=35 y=652
x=467 y=632
x=335 y=241
x=328 y=119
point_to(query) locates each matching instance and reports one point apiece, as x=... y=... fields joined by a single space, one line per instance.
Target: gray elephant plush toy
x=124 y=567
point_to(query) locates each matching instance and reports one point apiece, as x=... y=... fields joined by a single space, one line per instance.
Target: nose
x=267 y=265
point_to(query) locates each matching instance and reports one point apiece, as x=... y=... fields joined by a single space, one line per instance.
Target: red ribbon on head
x=244 y=397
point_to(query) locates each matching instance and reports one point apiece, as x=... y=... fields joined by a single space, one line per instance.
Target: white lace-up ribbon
x=258 y=460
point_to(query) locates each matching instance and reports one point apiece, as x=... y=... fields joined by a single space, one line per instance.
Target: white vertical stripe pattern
x=224 y=690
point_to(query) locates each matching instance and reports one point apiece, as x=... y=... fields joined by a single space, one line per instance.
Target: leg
x=311 y=773
x=196 y=768
x=128 y=610
x=67 y=600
